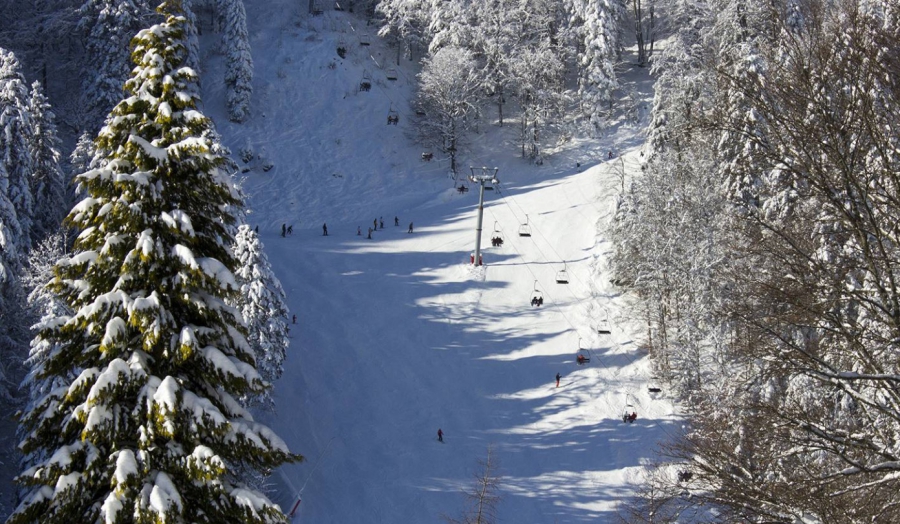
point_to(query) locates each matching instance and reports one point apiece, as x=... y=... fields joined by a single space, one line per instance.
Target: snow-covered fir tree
x=43 y=304
x=238 y=60
x=79 y=161
x=682 y=84
x=191 y=37
x=16 y=131
x=109 y=26
x=151 y=429
x=596 y=27
x=11 y=332
x=262 y=304
x=48 y=184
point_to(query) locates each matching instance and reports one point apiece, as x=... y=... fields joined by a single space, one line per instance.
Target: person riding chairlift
x=582 y=359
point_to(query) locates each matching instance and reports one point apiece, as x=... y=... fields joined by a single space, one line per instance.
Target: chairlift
x=497 y=236
x=537 y=298
x=366 y=83
x=562 y=276
x=629 y=414
x=364 y=39
x=582 y=358
x=393 y=117
x=391 y=73
x=342 y=48
x=604 y=327
x=525 y=229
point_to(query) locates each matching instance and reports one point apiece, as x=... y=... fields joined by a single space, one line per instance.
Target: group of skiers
x=378 y=223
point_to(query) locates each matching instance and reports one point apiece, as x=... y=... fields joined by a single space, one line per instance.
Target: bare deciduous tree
x=482 y=498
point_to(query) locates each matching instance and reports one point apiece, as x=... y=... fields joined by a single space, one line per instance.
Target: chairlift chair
x=366 y=83
x=391 y=73
x=342 y=48
x=525 y=229
x=537 y=298
x=496 y=236
x=629 y=414
x=582 y=358
x=562 y=276
x=364 y=39
x=393 y=116
x=604 y=327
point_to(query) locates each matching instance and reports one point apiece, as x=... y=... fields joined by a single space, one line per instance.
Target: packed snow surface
x=398 y=336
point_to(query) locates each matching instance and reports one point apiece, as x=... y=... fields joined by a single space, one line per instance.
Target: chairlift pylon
x=562 y=276
x=525 y=229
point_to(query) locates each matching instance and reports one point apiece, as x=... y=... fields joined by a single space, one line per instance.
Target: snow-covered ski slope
x=398 y=336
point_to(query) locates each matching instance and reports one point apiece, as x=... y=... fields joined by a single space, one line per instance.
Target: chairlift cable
x=315 y=466
x=553 y=302
x=628 y=355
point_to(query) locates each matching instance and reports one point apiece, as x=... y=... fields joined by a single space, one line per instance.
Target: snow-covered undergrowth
x=397 y=336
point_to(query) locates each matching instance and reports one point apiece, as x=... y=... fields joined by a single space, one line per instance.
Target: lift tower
x=486 y=180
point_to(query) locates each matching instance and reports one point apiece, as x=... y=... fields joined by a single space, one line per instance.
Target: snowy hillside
x=398 y=336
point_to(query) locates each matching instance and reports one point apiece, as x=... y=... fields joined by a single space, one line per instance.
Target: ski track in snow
x=397 y=336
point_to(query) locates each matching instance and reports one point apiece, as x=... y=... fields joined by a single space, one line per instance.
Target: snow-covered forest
x=712 y=182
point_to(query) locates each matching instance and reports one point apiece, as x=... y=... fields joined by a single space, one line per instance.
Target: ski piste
x=399 y=335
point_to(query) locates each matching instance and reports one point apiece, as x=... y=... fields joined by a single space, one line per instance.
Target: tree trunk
x=500 y=102
x=639 y=31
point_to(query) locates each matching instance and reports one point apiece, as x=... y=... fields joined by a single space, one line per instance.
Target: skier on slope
x=558 y=376
x=440 y=435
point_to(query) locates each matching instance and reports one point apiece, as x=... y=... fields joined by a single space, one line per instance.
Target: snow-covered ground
x=398 y=336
